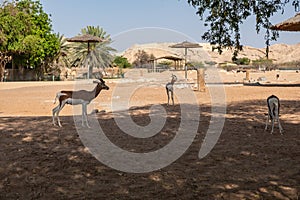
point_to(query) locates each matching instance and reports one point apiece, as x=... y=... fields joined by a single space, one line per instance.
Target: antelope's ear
x=102 y=81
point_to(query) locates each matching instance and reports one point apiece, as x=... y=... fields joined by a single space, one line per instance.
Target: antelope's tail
x=59 y=94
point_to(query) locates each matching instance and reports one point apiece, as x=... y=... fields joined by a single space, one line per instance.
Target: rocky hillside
x=280 y=53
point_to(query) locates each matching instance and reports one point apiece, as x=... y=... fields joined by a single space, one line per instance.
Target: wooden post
x=247 y=75
x=200 y=80
x=185 y=66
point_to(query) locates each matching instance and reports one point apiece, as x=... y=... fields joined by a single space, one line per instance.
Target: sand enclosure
x=42 y=161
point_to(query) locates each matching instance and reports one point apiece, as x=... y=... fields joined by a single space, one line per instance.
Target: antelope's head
x=174 y=78
x=101 y=84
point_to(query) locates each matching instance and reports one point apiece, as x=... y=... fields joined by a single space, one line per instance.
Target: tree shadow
x=42 y=161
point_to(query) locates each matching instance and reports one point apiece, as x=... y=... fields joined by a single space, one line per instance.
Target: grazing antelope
x=82 y=97
x=273 y=112
x=170 y=89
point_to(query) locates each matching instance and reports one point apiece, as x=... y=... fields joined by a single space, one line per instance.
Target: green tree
x=195 y=65
x=121 y=62
x=224 y=18
x=100 y=55
x=62 y=55
x=61 y=59
x=242 y=61
x=166 y=63
x=262 y=62
x=25 y=35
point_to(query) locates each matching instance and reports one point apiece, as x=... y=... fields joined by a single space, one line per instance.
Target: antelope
x=82 y=97
x=273 y=112
x=170 y=89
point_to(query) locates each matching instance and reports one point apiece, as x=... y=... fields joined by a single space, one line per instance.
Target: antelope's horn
x=96 y=81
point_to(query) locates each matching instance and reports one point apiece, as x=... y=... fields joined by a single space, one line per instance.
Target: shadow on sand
x=42 y=161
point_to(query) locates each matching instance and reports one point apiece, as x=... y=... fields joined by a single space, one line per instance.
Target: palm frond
x=100 y=55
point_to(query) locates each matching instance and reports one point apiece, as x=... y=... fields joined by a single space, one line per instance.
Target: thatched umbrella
x=186 y=45
x=86 y=38
x=291 y=24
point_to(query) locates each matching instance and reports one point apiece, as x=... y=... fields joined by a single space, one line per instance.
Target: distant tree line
x=263 y=63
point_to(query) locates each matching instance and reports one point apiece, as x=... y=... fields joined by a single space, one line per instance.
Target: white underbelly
x=76 y=101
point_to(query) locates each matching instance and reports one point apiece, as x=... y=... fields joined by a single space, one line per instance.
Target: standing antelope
x=170 y=89
x=82 y=97
x=273 y=112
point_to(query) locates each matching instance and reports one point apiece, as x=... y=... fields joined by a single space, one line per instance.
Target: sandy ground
x=42 y=161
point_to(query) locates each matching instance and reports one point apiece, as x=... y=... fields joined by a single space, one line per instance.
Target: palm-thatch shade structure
x=186 y=45
x=177 y=60
x=86 y=38
x=291 y=24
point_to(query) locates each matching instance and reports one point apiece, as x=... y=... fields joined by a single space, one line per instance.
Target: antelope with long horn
x=82 y=97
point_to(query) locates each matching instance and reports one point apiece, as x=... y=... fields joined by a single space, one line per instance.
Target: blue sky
x=139 y=21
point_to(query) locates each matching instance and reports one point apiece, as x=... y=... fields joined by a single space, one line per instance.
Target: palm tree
x=62 y=56
x=60 y=61
x=100 y=53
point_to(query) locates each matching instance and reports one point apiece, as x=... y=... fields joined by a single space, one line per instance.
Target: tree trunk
x=1 y=72
x=3 y=60
x=90 y=71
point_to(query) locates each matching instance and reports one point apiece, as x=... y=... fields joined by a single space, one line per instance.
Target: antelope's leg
x=63 y=103
x=273 y=121
x=280 y=127
x=54 y=110
x=168 y=96
x=84 y=115
x=172 y=97
x=267 y=122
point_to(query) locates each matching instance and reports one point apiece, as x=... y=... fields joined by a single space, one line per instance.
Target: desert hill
x=280 y=53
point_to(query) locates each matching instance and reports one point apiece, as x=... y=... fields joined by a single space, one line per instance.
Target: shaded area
x=40 y=161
